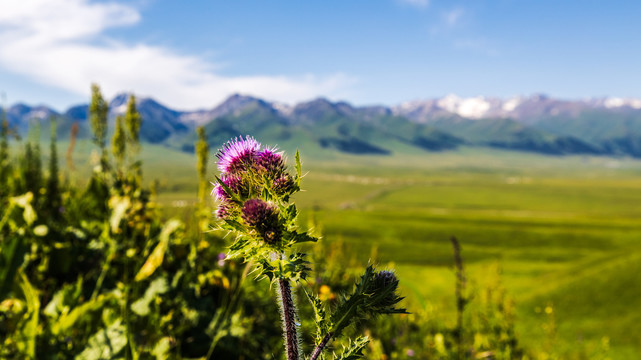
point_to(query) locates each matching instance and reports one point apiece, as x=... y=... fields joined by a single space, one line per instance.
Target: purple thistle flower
x=234 y=183
x=219 y=193
x=264 y=218
x=270 y=162
x=284 y=185
x=237 y=155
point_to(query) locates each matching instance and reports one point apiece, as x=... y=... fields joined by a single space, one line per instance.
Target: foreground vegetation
x=95 y=267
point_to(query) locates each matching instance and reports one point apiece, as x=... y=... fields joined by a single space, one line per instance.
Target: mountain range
x=537 y=123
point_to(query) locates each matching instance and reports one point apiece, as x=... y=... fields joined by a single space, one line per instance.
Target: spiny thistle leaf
x=303 y=237
x=355 y=350
x=234 y=197
x=298 y=168
x=320 y=316
x=373 y=295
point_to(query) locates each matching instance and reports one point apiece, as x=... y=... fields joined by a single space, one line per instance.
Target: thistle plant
x=253 y=191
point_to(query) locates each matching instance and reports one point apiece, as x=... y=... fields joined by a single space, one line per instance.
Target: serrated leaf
x=232 y=225
x=298 y=168
x=234 y=197
x=304 y=237
x=355 y=350
x=351 y=310
x=320 y=316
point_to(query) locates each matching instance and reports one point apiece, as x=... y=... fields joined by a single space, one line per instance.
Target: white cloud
x=416 y=3
x=62 y=43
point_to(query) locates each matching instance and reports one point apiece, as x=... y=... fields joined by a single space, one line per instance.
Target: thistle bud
x=226 y=210
x=270 y=163
x=284 y=185
x=383 y=289
x=264 y=218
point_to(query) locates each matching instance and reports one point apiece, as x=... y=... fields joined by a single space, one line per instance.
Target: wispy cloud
x=452 y=17
x=449 y=21
x=63 y=43
x=416 y=3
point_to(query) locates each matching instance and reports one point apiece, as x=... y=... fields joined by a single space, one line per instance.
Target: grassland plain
x=564 y=232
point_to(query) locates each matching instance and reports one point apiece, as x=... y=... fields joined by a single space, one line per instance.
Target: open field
x=563 y=232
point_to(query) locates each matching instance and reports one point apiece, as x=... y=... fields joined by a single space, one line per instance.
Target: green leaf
x=157 y=256
x=107 y=343
x=352 y=310
x=30 y=329
x=234 y=197
x=64 y=299
x=304 y=237
x=157 y=287
x=67 y=321
x=230 y=224
x=162 y=348
x=320 y=316
x=11 y=258
x=355 y=350
x=298 y=168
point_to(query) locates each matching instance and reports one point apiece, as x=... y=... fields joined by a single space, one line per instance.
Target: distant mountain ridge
x=537 y=123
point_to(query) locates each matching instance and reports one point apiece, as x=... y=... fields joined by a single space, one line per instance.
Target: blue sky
x=193 y=54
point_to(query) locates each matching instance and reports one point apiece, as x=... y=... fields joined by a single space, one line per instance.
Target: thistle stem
x=321 y=346
x=289 y=319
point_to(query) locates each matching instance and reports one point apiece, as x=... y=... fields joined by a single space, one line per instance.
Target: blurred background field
x=562 y=232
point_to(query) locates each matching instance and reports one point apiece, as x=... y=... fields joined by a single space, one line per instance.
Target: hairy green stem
x=321 y=346
x=289 y=319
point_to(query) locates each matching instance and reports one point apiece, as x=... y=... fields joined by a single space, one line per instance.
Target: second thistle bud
x=264 y=218
x=270 y=163
x=383 y=289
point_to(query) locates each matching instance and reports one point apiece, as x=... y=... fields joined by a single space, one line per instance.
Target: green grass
x=564 y=231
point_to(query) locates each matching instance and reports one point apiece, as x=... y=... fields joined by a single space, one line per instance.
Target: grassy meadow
x=559 y=234
x=563 y=232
